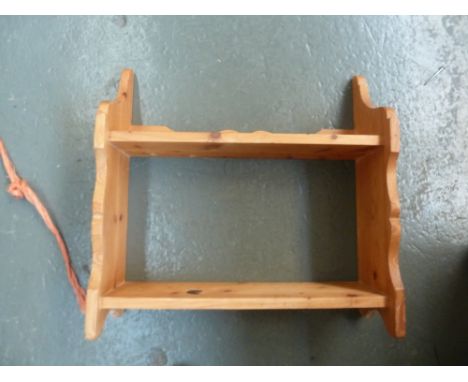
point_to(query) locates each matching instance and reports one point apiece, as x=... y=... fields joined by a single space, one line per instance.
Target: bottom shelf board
x=241 y=296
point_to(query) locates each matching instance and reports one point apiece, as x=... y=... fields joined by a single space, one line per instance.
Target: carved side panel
x=110 y=206
x=378 y=207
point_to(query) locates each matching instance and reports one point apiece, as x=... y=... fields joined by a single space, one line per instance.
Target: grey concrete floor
x=202 y=219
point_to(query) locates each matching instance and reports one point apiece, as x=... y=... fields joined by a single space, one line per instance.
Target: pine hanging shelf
x=373 y=144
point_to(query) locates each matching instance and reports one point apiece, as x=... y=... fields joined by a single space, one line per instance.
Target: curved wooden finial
x=361 y=91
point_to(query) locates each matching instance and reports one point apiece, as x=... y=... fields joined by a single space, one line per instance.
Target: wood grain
x=224 y=295
x=378 y=208
x=161 y=141
x=110 y=200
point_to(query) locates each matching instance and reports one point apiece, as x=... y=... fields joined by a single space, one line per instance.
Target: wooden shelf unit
x=373 y=144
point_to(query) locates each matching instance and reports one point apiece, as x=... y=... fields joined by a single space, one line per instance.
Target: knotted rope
x=20 y=189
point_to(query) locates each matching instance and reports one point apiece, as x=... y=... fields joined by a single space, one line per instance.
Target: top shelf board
x=160 y=141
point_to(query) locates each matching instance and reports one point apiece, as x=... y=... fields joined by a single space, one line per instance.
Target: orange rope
x=20 y=189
